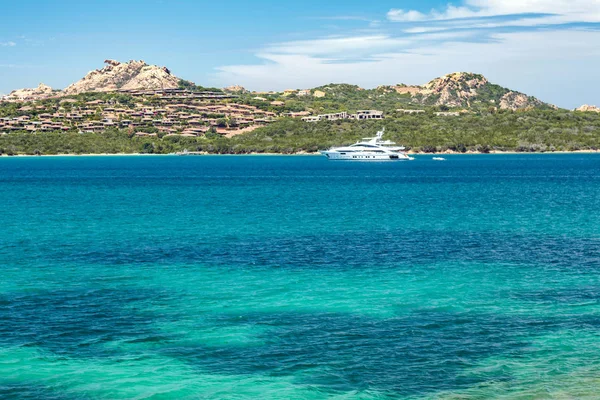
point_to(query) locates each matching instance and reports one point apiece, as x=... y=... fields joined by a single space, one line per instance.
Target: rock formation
x=463 y=89
x=39 y=93
x=403 y=89
x=516 y=101
x=453 y=90
x=236 y=89
x=132 y=75
x=587 y=108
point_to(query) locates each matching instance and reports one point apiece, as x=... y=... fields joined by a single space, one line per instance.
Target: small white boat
x=438 y=159
x=369 y=149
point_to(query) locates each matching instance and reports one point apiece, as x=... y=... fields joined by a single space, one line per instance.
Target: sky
x=546 y=48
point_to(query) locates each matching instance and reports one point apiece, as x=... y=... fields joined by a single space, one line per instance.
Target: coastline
x=448 y=152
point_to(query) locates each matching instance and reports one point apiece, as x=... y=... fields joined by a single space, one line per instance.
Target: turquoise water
x=298 y=278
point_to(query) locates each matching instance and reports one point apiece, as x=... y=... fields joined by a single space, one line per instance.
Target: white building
x=362 y=114
x=368 y=114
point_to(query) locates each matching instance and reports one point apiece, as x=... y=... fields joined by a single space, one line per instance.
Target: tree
x=148 y=148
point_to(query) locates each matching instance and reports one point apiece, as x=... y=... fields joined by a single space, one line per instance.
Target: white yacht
x=369 y=149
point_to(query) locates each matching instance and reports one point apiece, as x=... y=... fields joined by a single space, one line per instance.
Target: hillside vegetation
x=534 y=130
x=458 y=91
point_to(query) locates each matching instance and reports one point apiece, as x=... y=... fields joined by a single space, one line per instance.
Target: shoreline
x=469 y=153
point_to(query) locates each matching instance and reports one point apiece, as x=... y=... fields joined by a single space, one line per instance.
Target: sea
x=295 y=277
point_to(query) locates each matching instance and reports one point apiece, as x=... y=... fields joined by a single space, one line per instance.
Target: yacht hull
x=364 y=156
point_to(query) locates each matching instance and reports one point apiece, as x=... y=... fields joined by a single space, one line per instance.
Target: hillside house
x=368 y=114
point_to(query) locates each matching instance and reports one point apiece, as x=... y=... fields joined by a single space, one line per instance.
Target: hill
x=39 y=93
x=464 y=89
x=456 y=90
x=132 y=75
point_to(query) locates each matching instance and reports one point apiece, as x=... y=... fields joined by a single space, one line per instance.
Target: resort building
x=360 y=115
x=315 y=118
x=368 y=114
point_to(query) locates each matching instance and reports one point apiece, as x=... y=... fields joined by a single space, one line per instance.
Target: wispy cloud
x=8 y=44
x=332 y=46
x=515 y=13
x=355 y=48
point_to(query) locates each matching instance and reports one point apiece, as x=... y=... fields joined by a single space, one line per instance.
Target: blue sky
x=547 y=48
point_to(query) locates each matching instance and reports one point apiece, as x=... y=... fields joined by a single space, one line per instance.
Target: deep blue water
x=298 y=277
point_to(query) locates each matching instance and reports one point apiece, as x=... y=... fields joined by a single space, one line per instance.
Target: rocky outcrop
x=464 y=89
x=400 y=89
x=39 y=93
x=586 y=108
x=453 y=90
x=403 y=89
x=236 y=89
x=518 y=101
x=456 y=90
x=132 y=75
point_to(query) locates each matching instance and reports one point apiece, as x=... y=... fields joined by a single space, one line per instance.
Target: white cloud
x=334 y=45
x=451 y=12
x=555 y=65
x=517 y=12
x=564 y=7
x=406 y=15
x=351 y=47
x=7 y=44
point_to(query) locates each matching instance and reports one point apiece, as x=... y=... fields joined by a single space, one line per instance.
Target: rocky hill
x=457 y=90
x=38 y=93
x=131 y=75
x=463 y=89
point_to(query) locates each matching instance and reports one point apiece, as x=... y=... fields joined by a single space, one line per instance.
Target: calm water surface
x=299 y=278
